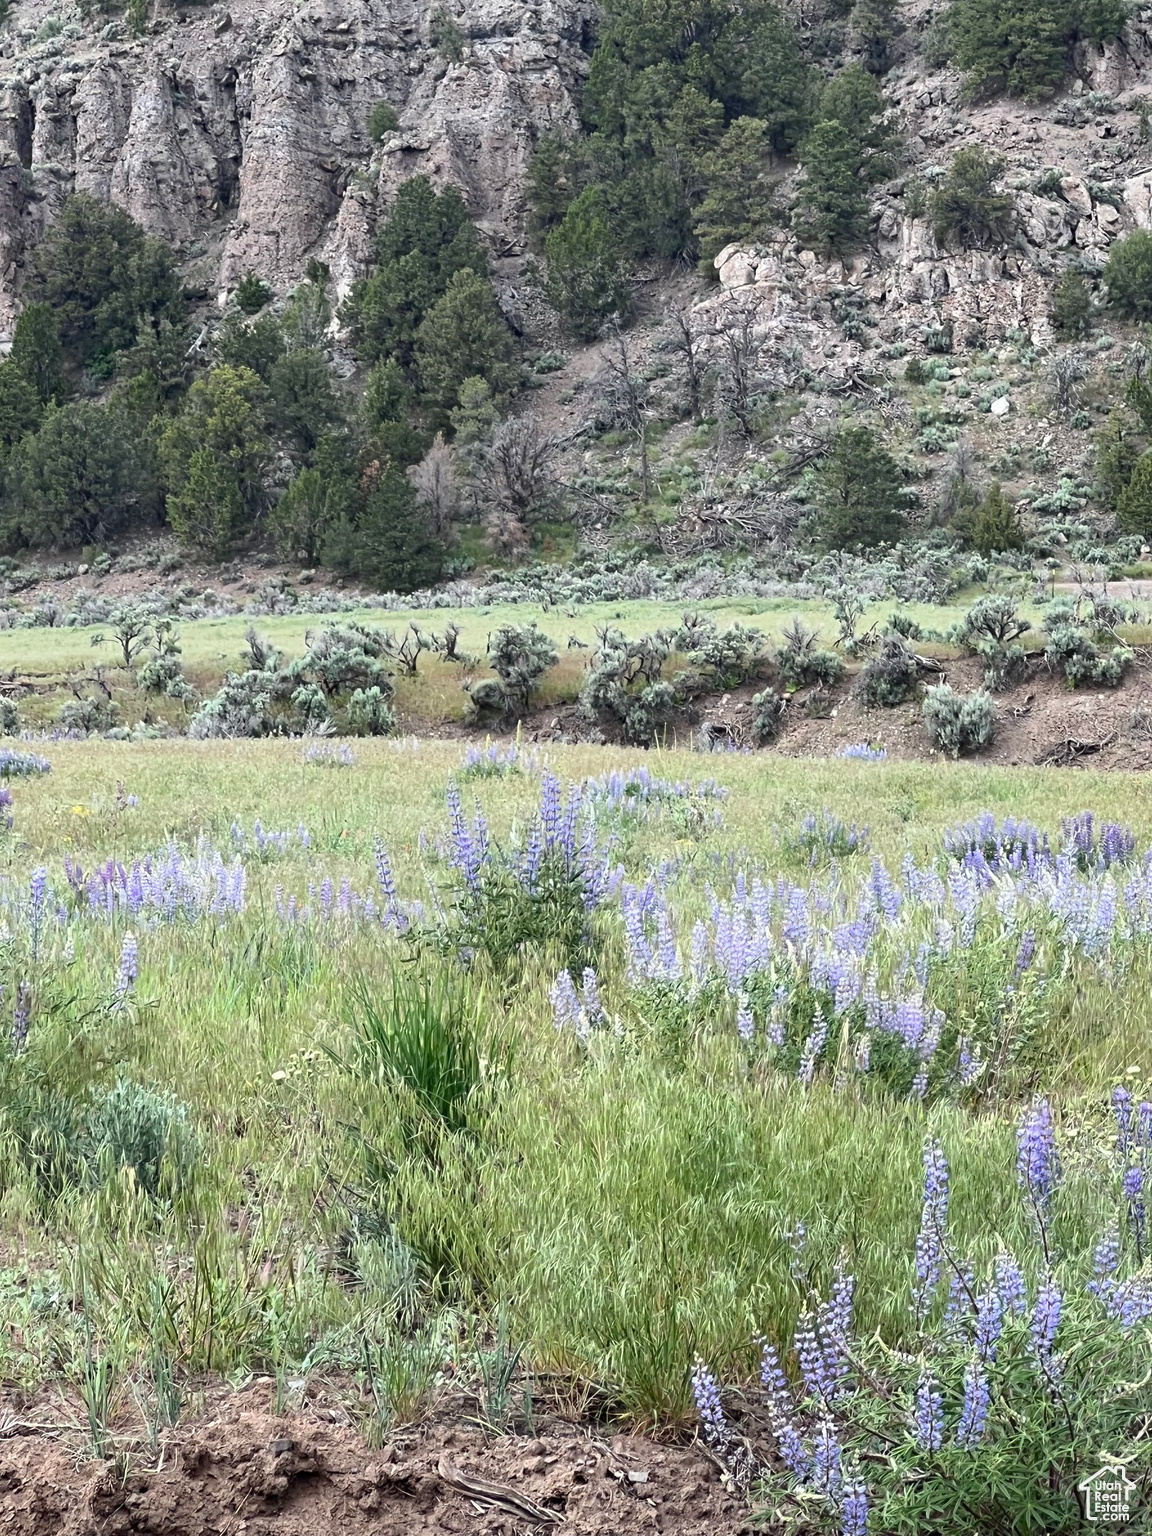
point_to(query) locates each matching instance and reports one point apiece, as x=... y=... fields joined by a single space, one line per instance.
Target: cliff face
x=239 y=134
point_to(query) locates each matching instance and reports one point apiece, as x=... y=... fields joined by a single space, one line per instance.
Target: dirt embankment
x=240 y=1470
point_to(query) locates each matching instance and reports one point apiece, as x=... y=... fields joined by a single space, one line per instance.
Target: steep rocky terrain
x=238 y=133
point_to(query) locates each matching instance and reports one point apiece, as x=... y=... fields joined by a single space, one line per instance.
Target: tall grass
x=368 y=1150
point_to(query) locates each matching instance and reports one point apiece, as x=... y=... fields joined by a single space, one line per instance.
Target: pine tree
x=463 y=336
x=390 y=543
x=1116 y=455
x=1071 y=312
x=859 y=493
x=966 y=206
x=1128 y=276
x=77 y=479
x=738 y=202
x=213 y=455
x=1134 y=507
x=36 y=351
x=586 y=280
x=20 y=407
x=832 y=213
x=995 y=526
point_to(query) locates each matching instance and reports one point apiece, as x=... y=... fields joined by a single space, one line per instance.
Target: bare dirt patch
x=241 y=1470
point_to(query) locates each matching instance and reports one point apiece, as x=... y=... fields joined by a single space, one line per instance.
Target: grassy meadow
x=208 y=1168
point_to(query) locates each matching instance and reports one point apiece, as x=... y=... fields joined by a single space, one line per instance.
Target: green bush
x=130 y=1126
x=860 y=493
x=1022 y=46
x=1071 y=312
x=767 y=716
x=995 y=526
x=890 y=676
x=957 y=722
x=1072 y=651
x=587 y=280
x=800 y=661
x=370 y=712
x=252 y=293
x=1128 y=276
x=382 y=121
x=1134 y=503
x=966 y=206
x=520 y=655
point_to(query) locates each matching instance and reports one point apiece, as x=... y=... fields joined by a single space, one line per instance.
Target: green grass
x=622 y=1210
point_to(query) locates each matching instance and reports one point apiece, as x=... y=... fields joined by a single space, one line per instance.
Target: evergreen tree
x=738 y=202
x=995 y=526
x=855 y=101
x=966 y=205
x=832 y=211
x=463 y=335
x=20 y=407
x=315 y=503
x=859 y=493
x=103 y=277
x=390 y=544
x=36 y=351
x=587 y=281
x=1128 y=276
x=213 y=455
x=550 y=183
x=1117 y=450
x=304 y=405
x=778 y=87
x=1134 y=506
x=875 y=26
x=426 y=239
x=1024 y=46
x=1071 y=312
x=76 y=480
x=257 y=345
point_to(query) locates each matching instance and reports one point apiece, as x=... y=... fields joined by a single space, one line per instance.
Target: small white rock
x=1002 y=406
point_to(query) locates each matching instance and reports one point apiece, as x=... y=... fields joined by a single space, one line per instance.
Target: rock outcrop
x=239 y=134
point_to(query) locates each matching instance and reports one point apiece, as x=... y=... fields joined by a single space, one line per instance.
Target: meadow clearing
x=669 y=1074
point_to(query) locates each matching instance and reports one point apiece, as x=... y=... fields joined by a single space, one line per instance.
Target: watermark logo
x=1108 y=1495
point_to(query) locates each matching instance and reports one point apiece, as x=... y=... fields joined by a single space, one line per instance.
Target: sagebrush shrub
x=890 y=676
x=957 y=722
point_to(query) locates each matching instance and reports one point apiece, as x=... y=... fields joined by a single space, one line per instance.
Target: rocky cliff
x=238 y=133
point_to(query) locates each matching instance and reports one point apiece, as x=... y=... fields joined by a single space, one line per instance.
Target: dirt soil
x=1040 y=722
x=242 y=1471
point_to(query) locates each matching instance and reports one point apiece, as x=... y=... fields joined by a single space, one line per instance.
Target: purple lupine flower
x=974 y=1412
x=779 y=1401
x=1144 y=1125
x=777 y=1017
x=1026 y=952
x=708 y=1406
x=929 y=1414
x=959 y=1305
x=1045 y=1321
x=1010 y=1285
x=855 y=1508
x=1038 y=1162
x=989 y=1325
x=813 y=1046
x=126 y=977
x=6 y=817
x=933 y=1222
x=745 y=1023
x=37 y=888
x=590 y=997
x=1122 y=1109
x=1105 y=1262
x=384 y=872
x=1137 y=1210
x=827 y=1473
x=22 y=1016
x=819 y=1373
x=565 y=1003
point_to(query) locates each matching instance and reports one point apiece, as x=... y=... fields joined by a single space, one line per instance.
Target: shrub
x=252 y=293
x=1128 y=276
x=382 y=121
x=1071 y=312
x=624 y=685
x=993 y=618
x=520 y=655
x=800 y=662
x=966 y=207
x=914 y=372
x=1134 y=503
x=767 y=716
x=130 y=1126
x=730 y=656
x=959 y=722
x=9 y=717
x=1071 y=651
x=890 y=675
x=370 y=712
x=88 y=715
